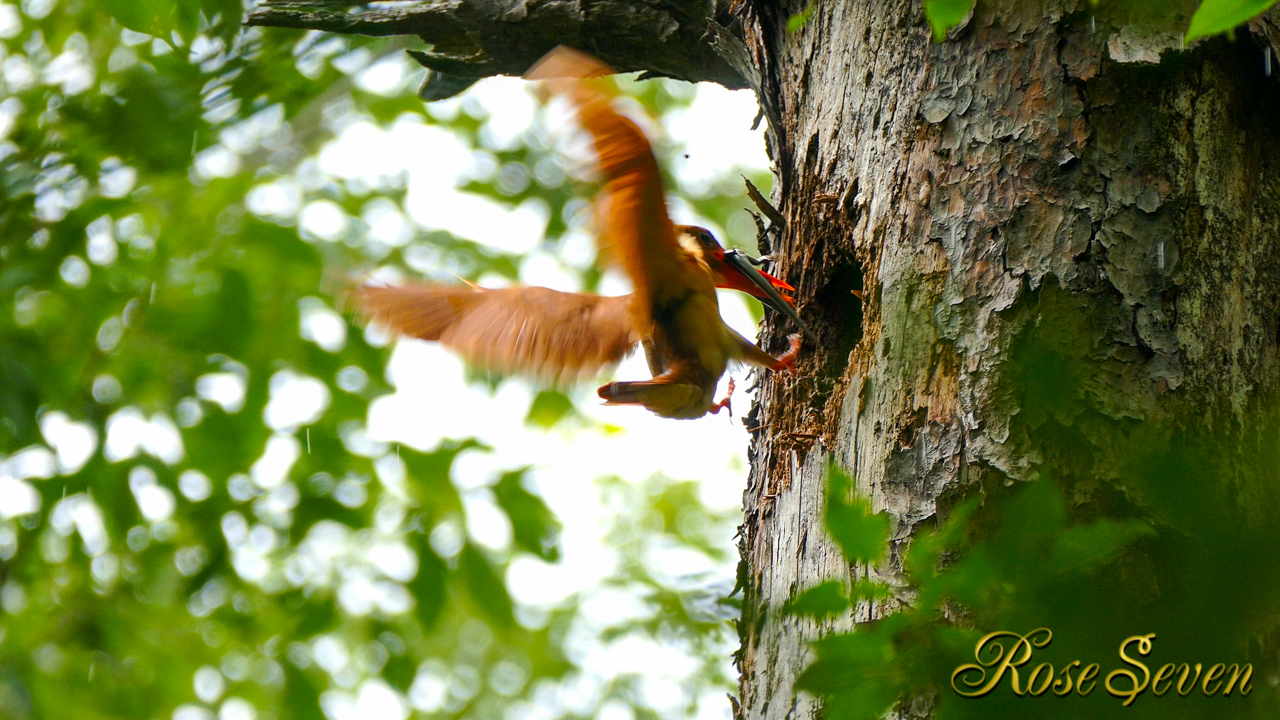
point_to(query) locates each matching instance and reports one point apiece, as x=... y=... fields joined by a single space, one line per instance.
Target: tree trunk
x=1040 y=185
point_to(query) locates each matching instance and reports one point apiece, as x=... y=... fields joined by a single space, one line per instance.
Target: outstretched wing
x=633 y=211
x=551 y=335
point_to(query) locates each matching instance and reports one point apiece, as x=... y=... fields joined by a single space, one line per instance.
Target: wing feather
x=633 y=211
x=551 y=335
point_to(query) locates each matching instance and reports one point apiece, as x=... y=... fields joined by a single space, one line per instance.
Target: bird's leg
x=754 y=355
x=657 y=361
x=725 y=404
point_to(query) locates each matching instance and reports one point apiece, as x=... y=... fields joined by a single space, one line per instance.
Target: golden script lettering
x=1003 y=653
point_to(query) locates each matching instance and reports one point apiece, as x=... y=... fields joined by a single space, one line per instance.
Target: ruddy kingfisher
x=673 y=312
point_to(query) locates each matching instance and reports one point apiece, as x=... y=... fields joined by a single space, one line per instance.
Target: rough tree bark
x=1051 y=179
x=472 y=39
x=1043 y=181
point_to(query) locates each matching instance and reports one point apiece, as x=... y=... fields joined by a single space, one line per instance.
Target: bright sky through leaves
x=269 y=510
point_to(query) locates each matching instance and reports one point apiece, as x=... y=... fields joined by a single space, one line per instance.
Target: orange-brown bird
x=673 y=311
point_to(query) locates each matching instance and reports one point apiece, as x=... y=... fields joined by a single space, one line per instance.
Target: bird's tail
x=664 y=396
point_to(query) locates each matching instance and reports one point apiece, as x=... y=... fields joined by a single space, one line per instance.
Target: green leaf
x=153 y=17
x=21 y=397
x=1087 y=547
x=548 y=408
x=158 y=17
x=429 y=473
x=400 y=672
x=534 y=526
x=857 y=670
x=946 y=14
x=144 y=99
x=485 y=587
x=428 y=586
x=921 y=561
x=302 y=696
x=861 y=534
x=799 y=20
x=1215 y=16
x=819 y=602
x=868 y=590
x=314 y=615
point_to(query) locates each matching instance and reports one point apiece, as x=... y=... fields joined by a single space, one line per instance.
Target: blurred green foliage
x=194 y=519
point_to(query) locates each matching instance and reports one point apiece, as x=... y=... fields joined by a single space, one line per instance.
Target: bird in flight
x=557 y=336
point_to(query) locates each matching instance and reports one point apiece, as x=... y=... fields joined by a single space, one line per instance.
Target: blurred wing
x=633 y=211
x=520 y=330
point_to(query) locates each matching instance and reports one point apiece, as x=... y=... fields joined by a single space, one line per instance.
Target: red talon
x=724 y=404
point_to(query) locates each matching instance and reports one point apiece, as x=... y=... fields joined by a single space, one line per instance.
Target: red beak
x=739 y=273
x=735 y=280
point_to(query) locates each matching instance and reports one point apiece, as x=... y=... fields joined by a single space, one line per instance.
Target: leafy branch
x=984 y=568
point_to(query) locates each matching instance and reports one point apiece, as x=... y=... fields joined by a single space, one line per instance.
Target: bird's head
x=735 y=270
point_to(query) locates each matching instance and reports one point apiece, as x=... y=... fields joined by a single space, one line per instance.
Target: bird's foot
x=725 y=404
x=788 y=360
